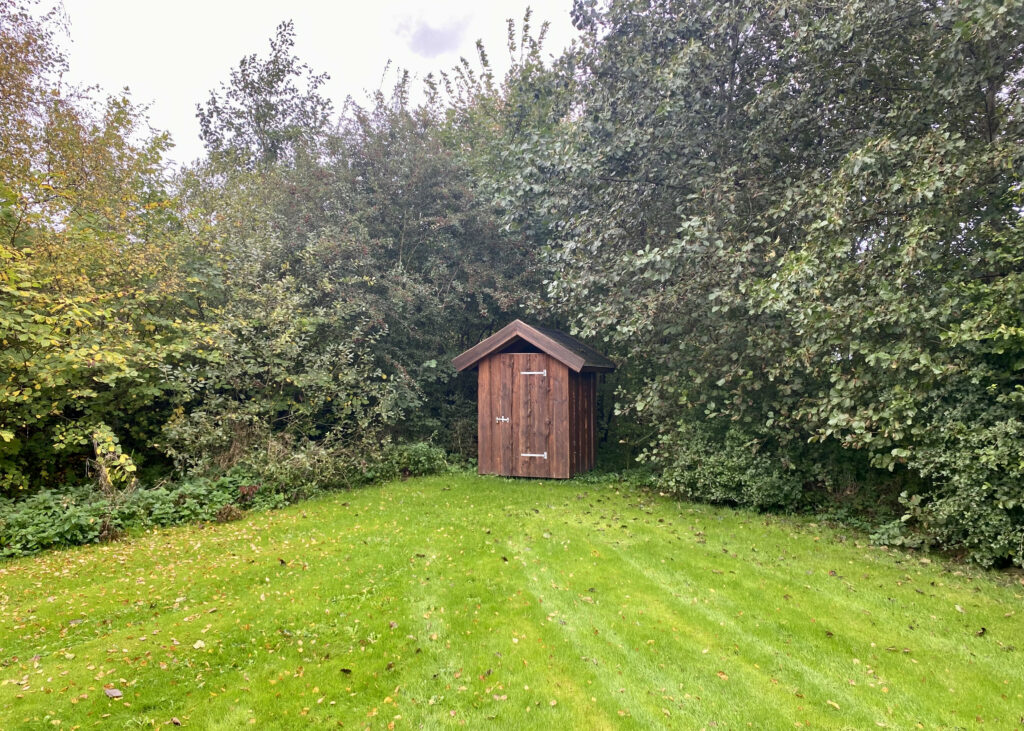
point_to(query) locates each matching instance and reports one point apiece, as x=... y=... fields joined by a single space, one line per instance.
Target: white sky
x=171 y=54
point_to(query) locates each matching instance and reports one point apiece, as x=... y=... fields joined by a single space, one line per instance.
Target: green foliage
x=730 y=468
x=78 y=515
x=89 y=290
x=198 y=499
x=800 y=224
x=975 y=466
x=50 y=519
x=381 y=252
x=270 y=111
x=278 y=372
x=797 y=227
x=416 y=460
x=74 y=516
x=291 y=313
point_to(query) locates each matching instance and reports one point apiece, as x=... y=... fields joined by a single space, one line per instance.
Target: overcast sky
x=171 y=54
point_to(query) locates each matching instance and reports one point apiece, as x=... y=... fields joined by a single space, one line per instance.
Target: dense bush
x=49 y=519
x=729 y=468
x=416 y=459
x=797 y=226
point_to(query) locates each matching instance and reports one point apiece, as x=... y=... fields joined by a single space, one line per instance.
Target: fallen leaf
x=113 y=693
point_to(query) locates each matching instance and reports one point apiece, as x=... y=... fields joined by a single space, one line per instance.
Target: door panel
x=532 y=449
x=485 y=432
x=523 y=426
x=503 y=370
x=495 y=422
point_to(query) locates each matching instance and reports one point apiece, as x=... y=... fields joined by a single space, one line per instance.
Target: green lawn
x=466 y=600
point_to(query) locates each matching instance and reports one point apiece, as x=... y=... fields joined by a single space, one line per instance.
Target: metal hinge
x=501 y=419
x=545 y=455
x=534 y=373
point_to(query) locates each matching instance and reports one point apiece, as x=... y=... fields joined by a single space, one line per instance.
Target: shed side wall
x=582 y=422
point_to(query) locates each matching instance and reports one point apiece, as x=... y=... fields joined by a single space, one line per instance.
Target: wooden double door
x=523 y=416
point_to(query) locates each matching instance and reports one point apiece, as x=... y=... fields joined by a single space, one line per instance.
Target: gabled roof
x=559 y=345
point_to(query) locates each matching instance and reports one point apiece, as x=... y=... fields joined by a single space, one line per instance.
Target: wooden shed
x=537 y=394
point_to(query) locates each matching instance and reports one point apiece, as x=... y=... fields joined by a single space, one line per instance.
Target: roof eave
x=518 y=328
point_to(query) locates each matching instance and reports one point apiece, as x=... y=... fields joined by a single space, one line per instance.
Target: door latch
x=503 y=419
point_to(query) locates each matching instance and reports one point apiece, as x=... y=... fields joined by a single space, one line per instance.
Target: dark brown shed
x=536 y=403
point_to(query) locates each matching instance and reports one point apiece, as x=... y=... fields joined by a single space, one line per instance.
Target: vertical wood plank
x=588 y=422
x=484 y=398
x=546 y=395
x=593 y=419
x=535 y=429
x=581 y=445
x=584 y=423
x=589 y=419
x=506 y=400
x=574 y=440
x=533 y=432
x=522 y=416
x=537 y=466
x=558 y=398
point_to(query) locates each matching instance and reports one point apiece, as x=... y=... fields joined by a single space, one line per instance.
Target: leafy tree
x=270 y=111
x=88 y=289
x=799 y=225
x=446 y=275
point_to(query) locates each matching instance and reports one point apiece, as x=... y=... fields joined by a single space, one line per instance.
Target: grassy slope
x=461 y=599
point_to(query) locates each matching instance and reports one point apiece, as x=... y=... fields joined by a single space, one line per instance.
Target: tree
x=791 y=220
x=88 y=285
x=270 y=111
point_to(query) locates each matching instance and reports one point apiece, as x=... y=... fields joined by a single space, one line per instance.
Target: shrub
x=49 y=519
x=79 y=515
x=732 y=468
x=229 y=513
x=416 y=459
x=973 y=499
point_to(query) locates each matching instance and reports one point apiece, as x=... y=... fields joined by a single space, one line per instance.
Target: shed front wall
x=523 y=416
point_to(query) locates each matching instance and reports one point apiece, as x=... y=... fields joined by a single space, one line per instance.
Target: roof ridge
x=560 y=345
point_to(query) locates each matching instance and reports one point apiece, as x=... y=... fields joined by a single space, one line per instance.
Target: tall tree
x=794 y=221
x=270 y=111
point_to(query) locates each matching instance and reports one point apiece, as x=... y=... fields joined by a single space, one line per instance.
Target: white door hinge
x=545 y=455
